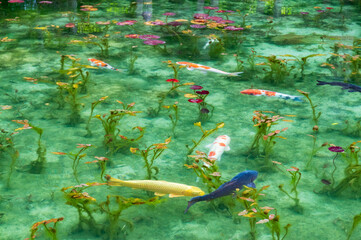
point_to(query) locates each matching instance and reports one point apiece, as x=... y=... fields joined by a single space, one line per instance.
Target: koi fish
x=209 y=42
x=217 y=148
x=258 y=92
x=241 y=179
x=160 y=188
x=97 y=63
x=349 y=86
x=192 y=66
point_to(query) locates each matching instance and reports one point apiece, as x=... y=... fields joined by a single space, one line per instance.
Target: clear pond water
x=54 y=102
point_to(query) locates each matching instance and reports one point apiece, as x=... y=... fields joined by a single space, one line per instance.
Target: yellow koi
x=160 y=188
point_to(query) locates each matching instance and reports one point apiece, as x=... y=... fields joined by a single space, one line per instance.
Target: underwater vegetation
x=128 y=170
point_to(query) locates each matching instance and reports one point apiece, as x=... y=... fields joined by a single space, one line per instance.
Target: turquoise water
x=34 y=38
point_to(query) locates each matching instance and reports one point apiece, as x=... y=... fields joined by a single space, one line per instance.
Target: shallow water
x=28 y=50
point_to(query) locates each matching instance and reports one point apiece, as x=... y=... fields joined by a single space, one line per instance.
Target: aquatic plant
x=153 y=112
x=251 y=58
x=351 y=181
x=253 y=211
x=173 y=117
x=356 y=221
x=239 y=62
x=344 y=65
x=315 y=116
x=206 y=169
x=216 y=48
x=110 y=125
x=7 y=145
x=264 y=139
x=132 y=58
x=36 y=166
x=278 y=69
x=199 y=97
x=76 y=157
x=114 y=211
x=176 y=68
x=101 y=163
x=205 y=134
x=84 y=203
x=149 y=155
x=94 y=104
x=302 y=61
x=295 y=176
x=51 y=231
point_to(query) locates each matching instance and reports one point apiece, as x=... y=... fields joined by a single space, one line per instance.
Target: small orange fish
x=192 y=66
x=101 y=64
x=259 y=92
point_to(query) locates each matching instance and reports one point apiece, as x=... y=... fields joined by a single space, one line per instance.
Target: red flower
x=195 y=100
x=329 y=8
x=172 y=80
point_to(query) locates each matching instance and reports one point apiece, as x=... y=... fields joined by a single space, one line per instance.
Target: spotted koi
x=259 y=92
x=220 y=144
x=192 y=66
x=101 y=64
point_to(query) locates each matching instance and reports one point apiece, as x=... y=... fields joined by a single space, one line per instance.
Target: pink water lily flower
x=195 y=100
x=147 y=37
x=46 y=2
x=153 y=42
x=15 y=1
x=69 y=25
x=127 y=22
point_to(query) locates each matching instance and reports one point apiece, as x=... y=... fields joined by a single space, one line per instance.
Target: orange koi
x=258 y=92
x=101 y=64
x=192 y=66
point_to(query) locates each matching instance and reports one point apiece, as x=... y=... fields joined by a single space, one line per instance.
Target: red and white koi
x=259 y=92
x=98 y=63
x=216 y=149
x=192 y=66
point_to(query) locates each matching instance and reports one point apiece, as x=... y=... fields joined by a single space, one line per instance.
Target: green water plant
x=173 y=117
x=7 y=147
x=315 y=117
x=112 y=139
x=76 y=157
x=76 y=197
x=302 y=61
x=114 y=207
x=253 y=212
x=149 y=155
x=100 y=41
x=206 y=169
x=351 y=182
x=175 y=67
x=36 y=166
x=50 y=230
x=132 y=59
x=276 y=69
x=265 y=138
x=102 y=163
x=295 y=175
x=356 y=221
x=205 y=134
x=93 y=105
x=173 y=91
x=217 y=47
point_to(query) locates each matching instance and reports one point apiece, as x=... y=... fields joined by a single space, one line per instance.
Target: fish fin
x=175 y=195
x=235 y=74
x=209 y=145
x=321 y=82
x=190 y=69
x=159 y=194
x=252 y=185
x=191 y=202
x=227 y=148
x=297 y=99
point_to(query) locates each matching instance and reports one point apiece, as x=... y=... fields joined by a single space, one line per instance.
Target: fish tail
x=297 y=99
x=235 y=74
x=113 y=181
x=321 y=82
x=192 y=202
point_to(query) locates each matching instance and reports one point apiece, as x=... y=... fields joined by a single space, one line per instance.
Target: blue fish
x=244 y=178
x=345 y=86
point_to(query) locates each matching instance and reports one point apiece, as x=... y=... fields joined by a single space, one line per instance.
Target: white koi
x=192 y=66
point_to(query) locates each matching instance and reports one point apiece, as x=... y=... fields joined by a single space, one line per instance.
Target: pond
x=116 y=115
